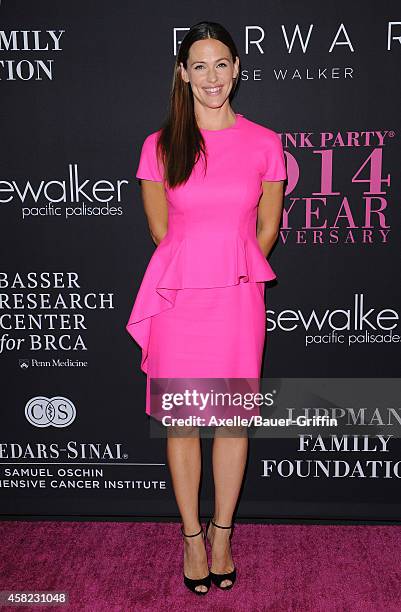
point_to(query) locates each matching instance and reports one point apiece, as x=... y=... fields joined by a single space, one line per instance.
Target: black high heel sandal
x=192 y=583
x=217 y=579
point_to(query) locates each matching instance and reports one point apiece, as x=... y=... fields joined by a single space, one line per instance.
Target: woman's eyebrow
x=203 y=62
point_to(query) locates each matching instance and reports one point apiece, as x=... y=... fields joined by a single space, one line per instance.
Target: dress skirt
x=214 y=332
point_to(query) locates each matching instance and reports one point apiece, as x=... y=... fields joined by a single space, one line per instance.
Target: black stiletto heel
x=217 y=579
x=192 y=583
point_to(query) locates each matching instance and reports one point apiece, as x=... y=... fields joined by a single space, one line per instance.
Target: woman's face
x=210 y=71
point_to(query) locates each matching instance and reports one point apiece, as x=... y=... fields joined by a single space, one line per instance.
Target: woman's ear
x=183 y=73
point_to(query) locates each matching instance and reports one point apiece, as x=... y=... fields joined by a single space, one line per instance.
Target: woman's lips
x=213 y=91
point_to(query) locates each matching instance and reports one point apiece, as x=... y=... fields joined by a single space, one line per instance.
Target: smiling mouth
x=213 y=91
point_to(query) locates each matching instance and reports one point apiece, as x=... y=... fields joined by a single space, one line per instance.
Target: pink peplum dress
x=200 y=309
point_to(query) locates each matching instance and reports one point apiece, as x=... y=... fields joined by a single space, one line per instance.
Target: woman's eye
x=201 y=66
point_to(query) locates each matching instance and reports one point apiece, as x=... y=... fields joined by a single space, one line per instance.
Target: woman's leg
x=229 y=459
x=184 y=460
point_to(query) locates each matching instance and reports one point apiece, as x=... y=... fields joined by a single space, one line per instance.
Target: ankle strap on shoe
x=193 y=534
x=220 y=526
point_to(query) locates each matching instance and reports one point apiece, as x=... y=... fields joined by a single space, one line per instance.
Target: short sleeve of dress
x=275 y=169
x=148 y=167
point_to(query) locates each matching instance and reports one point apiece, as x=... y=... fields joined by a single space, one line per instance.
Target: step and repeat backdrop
x=82 y=85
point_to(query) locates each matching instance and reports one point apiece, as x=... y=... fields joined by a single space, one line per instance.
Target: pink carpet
x=119 y=567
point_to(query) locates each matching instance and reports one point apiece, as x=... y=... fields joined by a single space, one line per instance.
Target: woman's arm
x=269 y=214
x=156 y=208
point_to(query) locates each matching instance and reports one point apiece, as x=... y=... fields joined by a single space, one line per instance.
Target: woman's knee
x=182 y=431
x=228 y=431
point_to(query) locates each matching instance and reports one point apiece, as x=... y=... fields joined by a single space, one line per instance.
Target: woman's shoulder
x=151 y=137
x=260 y=130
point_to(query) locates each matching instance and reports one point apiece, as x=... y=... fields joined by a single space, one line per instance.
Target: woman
x=212 y=187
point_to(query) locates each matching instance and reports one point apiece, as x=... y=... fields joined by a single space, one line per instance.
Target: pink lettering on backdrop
x=338 y=188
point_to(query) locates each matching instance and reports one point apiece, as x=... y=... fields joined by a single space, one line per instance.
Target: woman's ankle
x=191 y=528
x=224 y=520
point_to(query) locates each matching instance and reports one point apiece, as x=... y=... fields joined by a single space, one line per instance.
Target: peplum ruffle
x=183 y=264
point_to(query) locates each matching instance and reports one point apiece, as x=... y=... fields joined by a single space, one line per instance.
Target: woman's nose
x=212 y=77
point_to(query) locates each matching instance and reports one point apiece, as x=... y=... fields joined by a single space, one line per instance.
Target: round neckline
x=230 y=127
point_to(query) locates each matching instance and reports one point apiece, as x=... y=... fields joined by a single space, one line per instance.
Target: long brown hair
x=180 y=142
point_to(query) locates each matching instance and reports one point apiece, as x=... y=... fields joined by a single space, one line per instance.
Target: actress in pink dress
x=200 y=309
